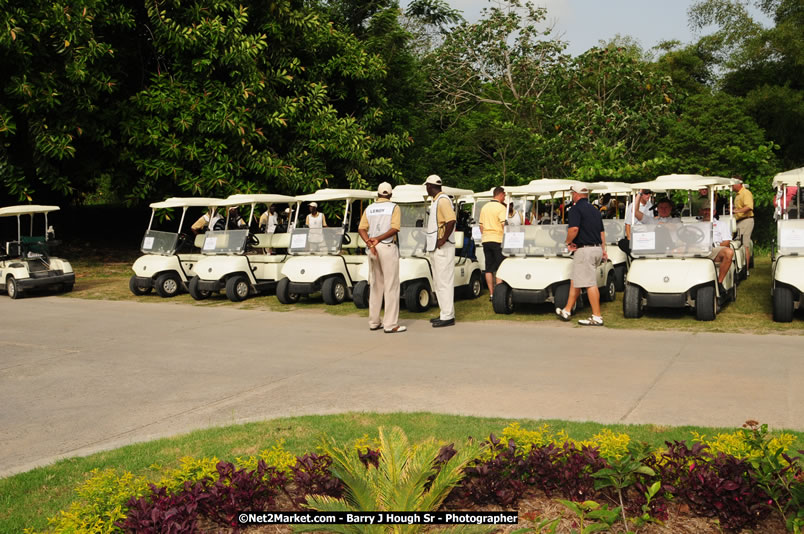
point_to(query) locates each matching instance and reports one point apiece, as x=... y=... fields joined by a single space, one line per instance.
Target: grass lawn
x=105 y=277
x=28 y=499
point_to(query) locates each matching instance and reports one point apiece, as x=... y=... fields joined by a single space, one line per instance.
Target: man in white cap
x=315 y=219
x=586 y=239
x=378 y=227
x=441 y=243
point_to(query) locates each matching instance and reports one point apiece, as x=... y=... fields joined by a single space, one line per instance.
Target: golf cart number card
x=210 y=242
x=298 y=241
x=792 y=238
x=477 y=235
x=148 y=243
x=514 y=240
x=644 y=241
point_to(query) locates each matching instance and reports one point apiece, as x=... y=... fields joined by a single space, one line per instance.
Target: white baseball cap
x=384 y=189
x=580 y=189
x=433 y=179
x=313 y=204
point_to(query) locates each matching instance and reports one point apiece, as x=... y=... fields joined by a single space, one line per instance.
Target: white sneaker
x=563 y=314
x=591 y=321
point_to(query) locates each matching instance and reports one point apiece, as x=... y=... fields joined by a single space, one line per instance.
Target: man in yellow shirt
x=744 y=215
x=491 y=221
x=441 y=243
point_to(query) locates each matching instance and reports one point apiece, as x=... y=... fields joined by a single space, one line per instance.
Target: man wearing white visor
x=378 y=227
x=441 y=243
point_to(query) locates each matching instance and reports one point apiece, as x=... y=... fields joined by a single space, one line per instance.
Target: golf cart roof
x=791 y=177
x=670 y=182
x=322 y=195
x=26 y=209
x=262 y=199
x=615 y=188
x=411 y=193
x=549 y=186
x=184 y=202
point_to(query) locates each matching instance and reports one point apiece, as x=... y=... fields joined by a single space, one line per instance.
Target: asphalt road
x=78 y=376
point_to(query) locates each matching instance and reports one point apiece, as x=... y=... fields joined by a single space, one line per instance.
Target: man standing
x=315 y=219
x=378 y=227
x=744 y=215
x=586 y=239
x=491 y=220
x=441 y=242
x=644 y=215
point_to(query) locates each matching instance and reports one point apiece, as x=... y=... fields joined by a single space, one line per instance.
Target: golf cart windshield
x=412 y=235
x=225 y=242
x=535 y=240
x=674 y=239
x=316 y=240
x=791 y=237
x=156 y=242
x=615 y=230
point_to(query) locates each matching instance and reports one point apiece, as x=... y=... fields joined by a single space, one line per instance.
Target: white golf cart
x=25 y=264
x=166 y=266
x=415 y=265
x=615 y=230
x=671 y=267
x=788 y=256
x=236 y=260
x=538 y=266
x=317 y=262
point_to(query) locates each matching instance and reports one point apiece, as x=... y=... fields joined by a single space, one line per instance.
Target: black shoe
x=435 y=320
x=446 y=322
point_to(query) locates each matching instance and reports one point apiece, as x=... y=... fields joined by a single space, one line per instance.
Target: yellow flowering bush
x=190 y=470
x=735 y=444
x=276 y=457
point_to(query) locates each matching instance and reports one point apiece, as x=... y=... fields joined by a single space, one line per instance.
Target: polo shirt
x=491 y=220
x=744 y=199
x=586 y=218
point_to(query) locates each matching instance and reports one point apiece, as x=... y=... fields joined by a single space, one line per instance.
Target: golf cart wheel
x=751 y=261
x=705 y=304
x=609 y=292
x=561 y=296
x=360 y=295
x=66 y=288
x=195 y=292
x=503 y=299
x=333 y=290
x=135 y=288
x=283 y=293
x=237 y=288
x=783 y=304
x=12 y=288
x=619 y=277
x=632 y=302
x=418 y=297
x=475 y=287
x=168 y=285
x=733 y=292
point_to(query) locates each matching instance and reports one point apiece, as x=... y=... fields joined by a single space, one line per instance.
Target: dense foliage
x=125 y=100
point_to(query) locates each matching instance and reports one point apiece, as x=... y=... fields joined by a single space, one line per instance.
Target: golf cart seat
x=731 y=221
x=280 y=240
x=13 y=249
x=458 y=240
x=199 y=241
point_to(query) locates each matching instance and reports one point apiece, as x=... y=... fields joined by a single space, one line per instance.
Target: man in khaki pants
x=378 y=228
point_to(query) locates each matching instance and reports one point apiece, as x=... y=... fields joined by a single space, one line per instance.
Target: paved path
x=77 y=376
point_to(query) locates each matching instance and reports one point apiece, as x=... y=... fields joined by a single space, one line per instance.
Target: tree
x=60 y=75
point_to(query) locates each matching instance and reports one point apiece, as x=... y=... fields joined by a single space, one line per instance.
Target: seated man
x=664 y=211
x=721 y=239
x=664 y=239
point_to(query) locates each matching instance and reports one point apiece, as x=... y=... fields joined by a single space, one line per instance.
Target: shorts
x=745 y=227
x=584 y=265
x=716 y=251
x=494 y=256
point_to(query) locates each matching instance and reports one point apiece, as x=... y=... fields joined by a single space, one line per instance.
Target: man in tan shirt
x=441 y=243
x=378 y=227
x=744 y=215
x=491 y=220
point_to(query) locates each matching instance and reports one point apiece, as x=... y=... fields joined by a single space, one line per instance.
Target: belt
x=583 y=246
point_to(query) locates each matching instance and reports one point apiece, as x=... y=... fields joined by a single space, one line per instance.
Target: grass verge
x=105 y=277
x=28 y=499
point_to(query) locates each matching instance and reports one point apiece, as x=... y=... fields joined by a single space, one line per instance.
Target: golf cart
x=165 y=266
x=788 y=256
x=538 y=266
x=615 y=231
x=317 y=262
x=25 y=264
x=415 y=264
x=236 y=260
x=671 y=267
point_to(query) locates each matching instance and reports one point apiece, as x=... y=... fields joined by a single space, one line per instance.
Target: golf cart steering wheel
x=252 y=239
x=347 y=239
x=690 y=235
x=556 y=234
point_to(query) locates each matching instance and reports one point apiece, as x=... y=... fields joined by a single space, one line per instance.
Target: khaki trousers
x=384 y=283
x=444 y=279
